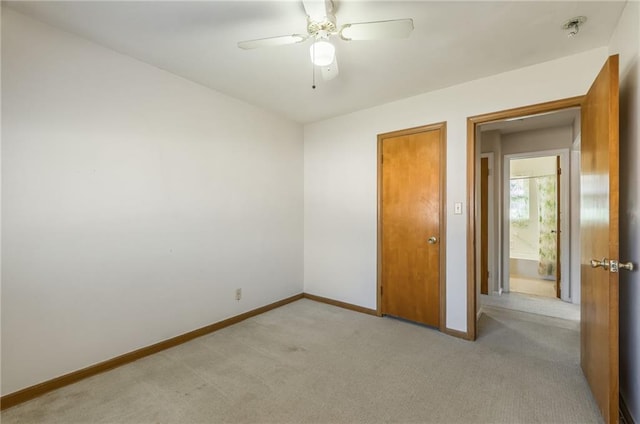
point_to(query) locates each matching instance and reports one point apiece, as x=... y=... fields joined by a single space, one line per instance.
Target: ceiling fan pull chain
x=313 y=68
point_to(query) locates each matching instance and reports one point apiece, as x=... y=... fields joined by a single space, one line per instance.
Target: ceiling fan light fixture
x=322 y=53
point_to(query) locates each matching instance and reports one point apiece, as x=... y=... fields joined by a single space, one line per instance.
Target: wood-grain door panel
x=599 y=239
x=410 y=214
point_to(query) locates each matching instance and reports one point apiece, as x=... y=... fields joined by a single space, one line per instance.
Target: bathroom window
x=519 y=204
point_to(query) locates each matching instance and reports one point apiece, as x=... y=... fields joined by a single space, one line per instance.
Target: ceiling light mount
x=572 y=26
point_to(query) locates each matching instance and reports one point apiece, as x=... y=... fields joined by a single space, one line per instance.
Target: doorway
x=529 y=267
x=411 y=225
x=598 y=229
x=476 y=127
x=536 y=226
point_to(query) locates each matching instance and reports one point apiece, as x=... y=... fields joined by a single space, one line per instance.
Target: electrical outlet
x=238 y=294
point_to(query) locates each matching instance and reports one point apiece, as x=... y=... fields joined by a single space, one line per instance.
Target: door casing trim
x=472 y=150
x=442 y=126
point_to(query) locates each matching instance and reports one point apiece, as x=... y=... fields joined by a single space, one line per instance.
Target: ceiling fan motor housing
x=328 y=26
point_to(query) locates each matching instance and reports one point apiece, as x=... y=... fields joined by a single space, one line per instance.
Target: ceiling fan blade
x=272 y=41
x=380 y=30
x=318 y=10
x=330 y=71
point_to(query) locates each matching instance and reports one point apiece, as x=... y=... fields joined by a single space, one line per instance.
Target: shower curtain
x=547 y=223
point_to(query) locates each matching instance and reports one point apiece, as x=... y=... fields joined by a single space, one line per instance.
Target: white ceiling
x=452 y=42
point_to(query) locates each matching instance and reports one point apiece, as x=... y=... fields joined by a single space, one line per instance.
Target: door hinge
x=559 y=171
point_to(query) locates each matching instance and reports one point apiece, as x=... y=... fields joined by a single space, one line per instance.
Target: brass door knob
x=626 y=265
x=604 y=263
x=432 y=240
x=616 y=266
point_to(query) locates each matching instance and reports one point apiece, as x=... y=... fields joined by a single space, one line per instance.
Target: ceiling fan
x=321 y=25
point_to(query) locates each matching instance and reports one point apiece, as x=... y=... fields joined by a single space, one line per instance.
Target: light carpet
x=309 y=362
x=533 y=304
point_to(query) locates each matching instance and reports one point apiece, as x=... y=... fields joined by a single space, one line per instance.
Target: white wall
x=134 y=203
x=533 y=167
x=537 y=140
x=340 y=175
x=625 y=41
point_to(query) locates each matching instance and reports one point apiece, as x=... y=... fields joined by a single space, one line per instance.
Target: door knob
x=604 y=263
x=626 y=265
x=432 y=240
x=615 y=266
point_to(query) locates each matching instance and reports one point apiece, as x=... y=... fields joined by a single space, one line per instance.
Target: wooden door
x=411 y=190
x=484 y=225
x=599 y=239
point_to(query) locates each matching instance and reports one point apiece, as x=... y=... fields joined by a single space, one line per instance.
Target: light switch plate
x=457 y=208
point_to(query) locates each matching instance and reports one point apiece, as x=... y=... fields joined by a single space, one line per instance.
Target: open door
x=599 y=239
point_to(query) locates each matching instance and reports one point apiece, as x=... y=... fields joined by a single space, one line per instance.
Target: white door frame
x=565 y=214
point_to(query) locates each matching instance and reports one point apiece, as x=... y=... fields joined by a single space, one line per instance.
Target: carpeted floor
x=534 y=304
x=310 y=362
